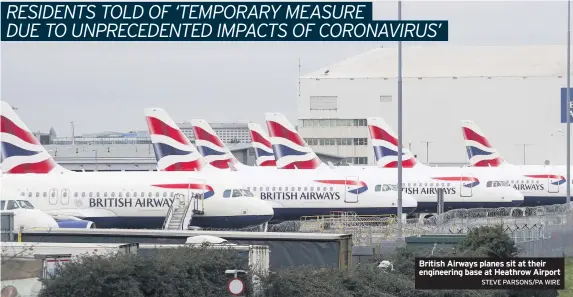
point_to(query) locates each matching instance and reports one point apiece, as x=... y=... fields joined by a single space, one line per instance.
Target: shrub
x=183 y=271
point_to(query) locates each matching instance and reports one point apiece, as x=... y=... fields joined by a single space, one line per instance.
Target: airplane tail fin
x=291 y=151
x=480 y=152
x=262 y=146
x=20 y=151
x=385 y=145
x=173 y=150
x=214 y=151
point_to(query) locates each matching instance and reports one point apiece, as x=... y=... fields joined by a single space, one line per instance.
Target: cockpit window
x=12 y=205
x=227 y=194
x=25 y=204
x=247 y=193
x=236 y=193
x=2 y=204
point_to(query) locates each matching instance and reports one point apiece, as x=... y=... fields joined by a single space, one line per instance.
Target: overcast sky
x=105 y=86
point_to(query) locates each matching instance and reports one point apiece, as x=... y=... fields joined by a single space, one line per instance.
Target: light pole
x=568 y=101
x=524 y=146
x=95 y=150
x=399 y=233
x=427 y=150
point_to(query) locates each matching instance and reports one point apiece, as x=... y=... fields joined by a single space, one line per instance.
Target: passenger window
x=150 y=195
x=280 y=189
x=164 y=194
x=83 y=194
x=332 y=188
x=45 y=194
x=267 y=188
x=227 y=194
x=156 y=194
x=12 y=205
x=120 y=194
x=305 y=189
x=237 y=193
x=260 y=189
x=273 y=191
x=311 y=189
x=65 y=194
x=37 y=194
x=104 y=194
x=377 y=188
x=126 y=194
x=292 y=189
x=112 y=194
x=90 y=194
x=75 y=194
x=171 y=194
x=30 y=194
x=324 y=189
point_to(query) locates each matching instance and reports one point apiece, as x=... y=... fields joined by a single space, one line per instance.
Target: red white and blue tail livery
x=213 y=150
x=20 y=151
x=480 y=152
x=385 y=145
x=172 y=149
x=291 y=151
x=262 y=146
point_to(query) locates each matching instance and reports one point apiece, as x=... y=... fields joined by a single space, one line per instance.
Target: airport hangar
x=512 y=92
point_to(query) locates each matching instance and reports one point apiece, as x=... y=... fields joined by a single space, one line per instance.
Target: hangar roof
x=439 y=61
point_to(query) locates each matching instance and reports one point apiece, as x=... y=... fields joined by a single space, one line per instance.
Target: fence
x=538 y=231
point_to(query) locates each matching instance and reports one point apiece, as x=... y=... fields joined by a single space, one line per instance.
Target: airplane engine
x=80 y=224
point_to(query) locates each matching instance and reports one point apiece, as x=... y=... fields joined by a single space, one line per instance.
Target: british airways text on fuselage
x=428 y=191
x=129 y=202
x=300 y=196
x=529 y=187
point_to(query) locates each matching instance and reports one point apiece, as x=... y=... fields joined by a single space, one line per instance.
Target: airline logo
x=473 y=182
x=173 y=150
x=262 y=146
x=20 y=150
x=480 y=152
x=291 y=151
x=359 y=186
x=385 y=147
x=208 y=190
x=211 y=147
x=559 y=178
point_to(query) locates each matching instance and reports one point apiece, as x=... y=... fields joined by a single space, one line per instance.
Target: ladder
x=178 y=216
x=177 y=213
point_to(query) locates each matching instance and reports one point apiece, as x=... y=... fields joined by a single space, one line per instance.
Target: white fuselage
x=422 y=183
x=136 y=199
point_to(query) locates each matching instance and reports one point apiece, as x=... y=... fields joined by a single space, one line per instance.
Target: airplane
x=262 y=146
x=25 y=215
x=118 y=199
x=293 y=194
x=460 y=191
x=541 y=184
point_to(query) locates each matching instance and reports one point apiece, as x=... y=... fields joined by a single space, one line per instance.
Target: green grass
x=568 y=292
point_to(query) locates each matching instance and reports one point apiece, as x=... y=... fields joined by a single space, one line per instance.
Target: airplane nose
x=409 y=203
x=515 y=196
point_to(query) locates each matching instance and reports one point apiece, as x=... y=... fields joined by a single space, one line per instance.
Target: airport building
x=512 y=92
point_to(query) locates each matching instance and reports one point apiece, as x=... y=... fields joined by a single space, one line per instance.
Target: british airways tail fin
x=262 y=146
x=20 y=151
x=291 y=151
x=213 y=150
x=173 y=150
x=385 y=145
x=480 y=152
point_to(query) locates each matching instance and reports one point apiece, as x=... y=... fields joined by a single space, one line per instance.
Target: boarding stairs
x=178 y=216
